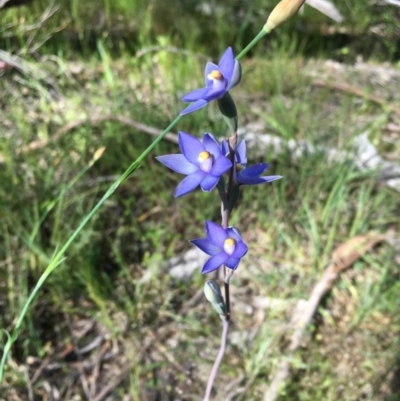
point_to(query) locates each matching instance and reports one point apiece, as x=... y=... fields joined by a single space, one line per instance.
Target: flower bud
x=99 y=152
x=228 y=110
x=284 y=10
x=214 y=296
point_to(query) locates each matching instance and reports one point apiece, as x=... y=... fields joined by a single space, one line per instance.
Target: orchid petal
x=254 y=171
x=234 y=233
x=211 y=145
x=194 y=107
x=214 y=263
x=209 y=68
x=240 y=152
x=191 y=147
x=232 y=263
x=257 y=180
x=227 y=63
x=206 y=246
x=189 y=183
x=178 y=163
x=221 y=165
x=195 y=95
x=215 y=233
x=240 y=250
x=212 y=95
x=209 y=183
x=236 y=76
x=225 y=147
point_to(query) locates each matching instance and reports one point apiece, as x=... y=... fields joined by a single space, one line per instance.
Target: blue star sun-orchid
x=219 y=80
x=225 y=246
x=202 y=162
x=244 y=175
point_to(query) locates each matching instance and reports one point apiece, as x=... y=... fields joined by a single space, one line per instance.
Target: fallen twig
x=29 y=69
x=352 y=90
x=343 y=257
x=93 y=120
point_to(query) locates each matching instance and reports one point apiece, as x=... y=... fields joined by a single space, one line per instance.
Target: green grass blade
x=58 y=258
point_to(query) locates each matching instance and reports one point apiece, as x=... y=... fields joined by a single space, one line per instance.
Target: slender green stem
x=58 y=258
x=260 y=35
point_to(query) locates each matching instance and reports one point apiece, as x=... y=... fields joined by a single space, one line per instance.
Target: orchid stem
x=218 y=360
x=224 y=195
x=259 y=36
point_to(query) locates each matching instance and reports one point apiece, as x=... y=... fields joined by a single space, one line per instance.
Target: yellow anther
x=229 y=246
x=229 y=242
x=204 y=156
x=215 y=74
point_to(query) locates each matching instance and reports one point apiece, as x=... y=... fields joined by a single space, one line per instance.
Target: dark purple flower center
x=229 y=246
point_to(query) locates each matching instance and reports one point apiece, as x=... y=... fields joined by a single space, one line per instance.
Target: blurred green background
x=78 y=76
x=69 y=28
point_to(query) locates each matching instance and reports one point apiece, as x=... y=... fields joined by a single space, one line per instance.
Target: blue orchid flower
x=244 y=175
x=225 y=246
x=219 y=80
x=202 y=162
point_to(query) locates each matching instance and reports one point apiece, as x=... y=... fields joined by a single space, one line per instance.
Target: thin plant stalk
x=214 y=370
x=225 y=196
x=58 y=257
x=259 y=36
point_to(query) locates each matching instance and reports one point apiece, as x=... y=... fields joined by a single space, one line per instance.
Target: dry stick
x=82 y=377
x=40 y=369
x=352 y=90
x=121 y=376
x=98 y=359
x=97 y=119
x=343 y=257
x=124 y=373
x=41 y=143
x=28 y=384
x=113 y=383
